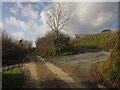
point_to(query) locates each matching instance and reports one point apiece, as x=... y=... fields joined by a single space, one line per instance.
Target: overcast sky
x=26 y=19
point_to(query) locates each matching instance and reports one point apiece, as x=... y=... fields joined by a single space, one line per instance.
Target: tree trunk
x=56 y=43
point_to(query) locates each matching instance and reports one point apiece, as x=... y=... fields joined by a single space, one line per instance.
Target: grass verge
x=12 y=79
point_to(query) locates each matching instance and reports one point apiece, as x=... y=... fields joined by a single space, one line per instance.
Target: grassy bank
x=104 y=41
x=111 y=67
x=12 y=79
x=107 y=41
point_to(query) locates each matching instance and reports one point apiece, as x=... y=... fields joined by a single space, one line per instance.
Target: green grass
x=99 y=41
x=12 y=79
x=44 y=54
x=100 y=64
x=112 y=70
x=51 y=53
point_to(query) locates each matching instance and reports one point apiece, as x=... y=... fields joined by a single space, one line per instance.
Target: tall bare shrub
x=11 y=51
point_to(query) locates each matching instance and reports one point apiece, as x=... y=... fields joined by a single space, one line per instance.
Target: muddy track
x=68 y=72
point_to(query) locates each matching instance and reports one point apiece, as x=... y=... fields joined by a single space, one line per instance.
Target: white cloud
x=90 y=17
x=19 y=5
x=102 y=18
x=43 y=16
x=18 y=23
x=16 y=8
x=25 y=10
x=18 y=35
x=1 y=25
x=92 y=12
x=39 y=28
x=60 y=0
x=28 y=11
x=13 y=10
x=39 y=5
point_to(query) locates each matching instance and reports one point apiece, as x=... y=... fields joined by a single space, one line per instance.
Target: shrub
x=46 y=46
x=11 y=52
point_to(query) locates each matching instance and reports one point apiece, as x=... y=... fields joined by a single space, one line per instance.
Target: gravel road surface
x=72 y=71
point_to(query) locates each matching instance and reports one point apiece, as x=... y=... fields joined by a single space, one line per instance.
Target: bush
x=44 y=54
x=12 y=52
x=46 y=46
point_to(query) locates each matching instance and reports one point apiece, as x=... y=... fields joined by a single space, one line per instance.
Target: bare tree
x=57 y=19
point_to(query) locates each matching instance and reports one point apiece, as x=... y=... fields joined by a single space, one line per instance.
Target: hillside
x=107 y=41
